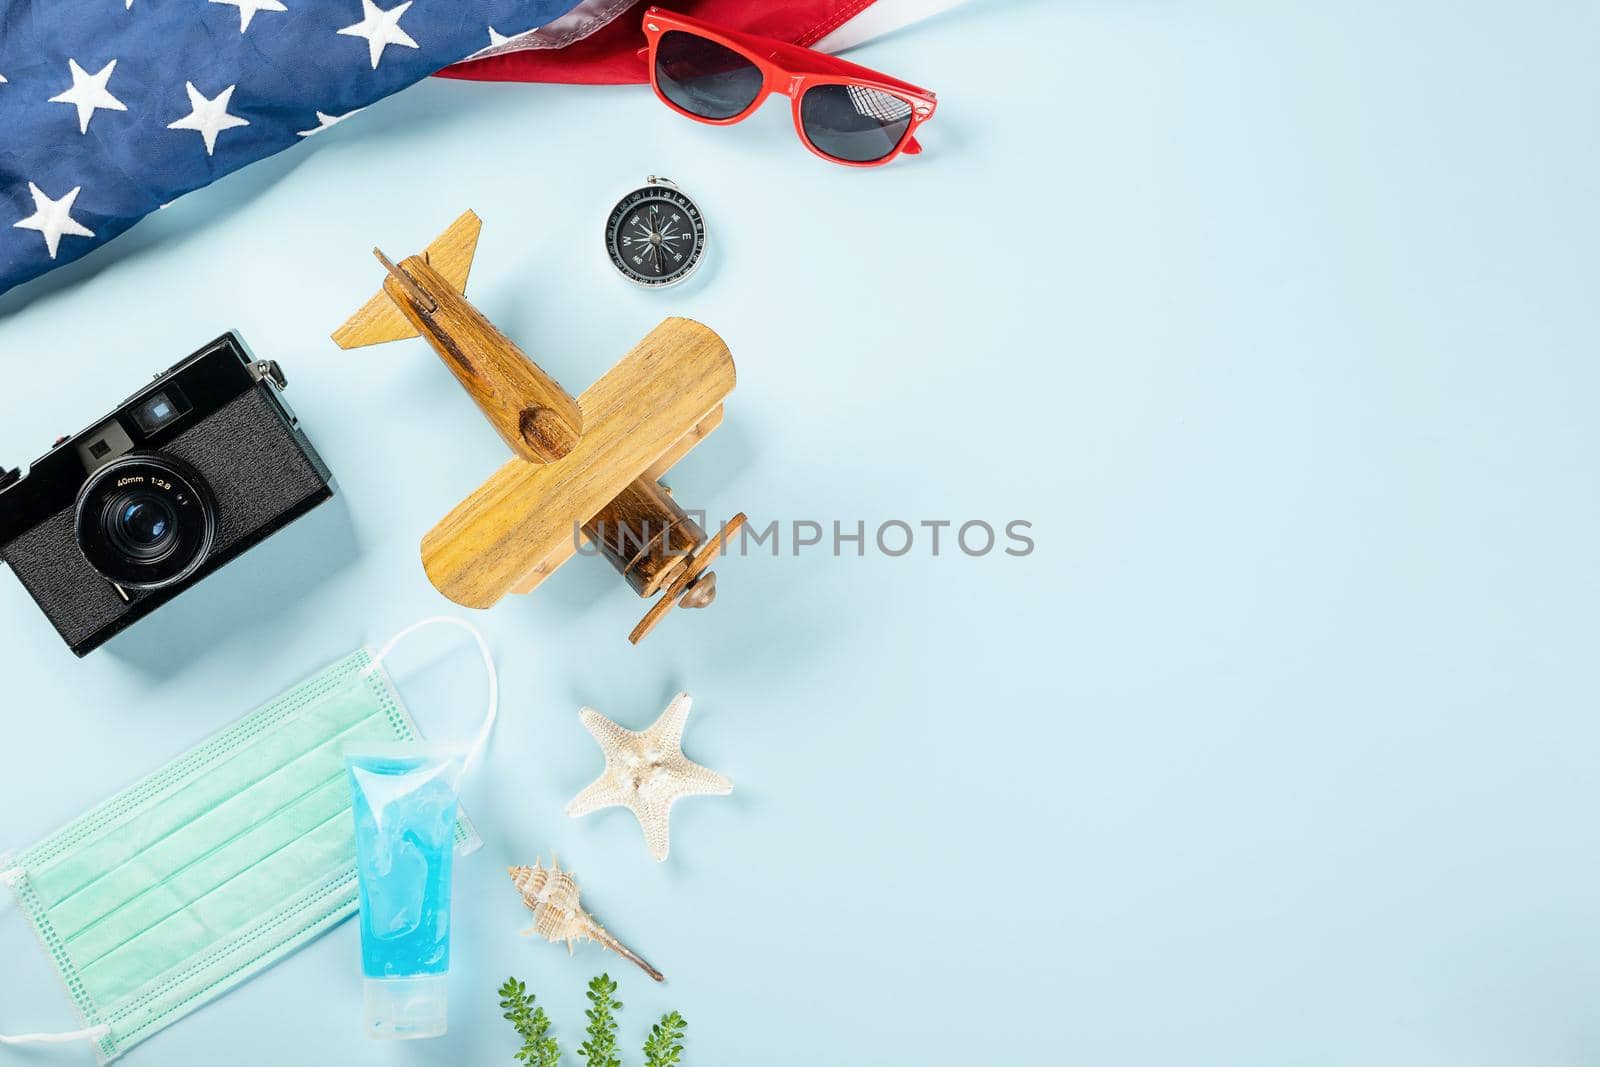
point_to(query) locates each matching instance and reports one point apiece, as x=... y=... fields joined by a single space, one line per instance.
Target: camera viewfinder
x=159 y=410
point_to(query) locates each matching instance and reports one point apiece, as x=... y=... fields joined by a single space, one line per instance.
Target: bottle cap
x=405 y=1008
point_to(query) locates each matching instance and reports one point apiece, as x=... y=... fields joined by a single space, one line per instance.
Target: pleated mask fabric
x=214 y=868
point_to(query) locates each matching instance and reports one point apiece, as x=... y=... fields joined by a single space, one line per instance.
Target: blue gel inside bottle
x=405 y=814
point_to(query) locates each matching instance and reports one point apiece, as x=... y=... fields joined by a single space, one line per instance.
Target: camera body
x=195 y=469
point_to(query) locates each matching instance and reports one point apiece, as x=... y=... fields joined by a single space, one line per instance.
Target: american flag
x=110 y=109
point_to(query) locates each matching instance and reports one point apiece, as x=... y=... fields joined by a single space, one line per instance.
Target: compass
x=656 y=234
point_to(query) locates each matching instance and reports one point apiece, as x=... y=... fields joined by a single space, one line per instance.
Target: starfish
x=646 y=772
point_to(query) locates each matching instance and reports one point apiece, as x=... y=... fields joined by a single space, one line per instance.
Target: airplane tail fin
x=379 y=320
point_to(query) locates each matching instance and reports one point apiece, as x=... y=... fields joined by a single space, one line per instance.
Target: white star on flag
x=53 y=218
x=89 y=92
x=248 y=9
x=2 y=79
x=497 y=40
x=324 y=121
x=380 y=28
x=209 y=117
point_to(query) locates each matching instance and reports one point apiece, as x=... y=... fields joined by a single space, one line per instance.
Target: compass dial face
x=655 y=236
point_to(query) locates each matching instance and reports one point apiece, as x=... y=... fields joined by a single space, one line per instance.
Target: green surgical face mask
x=217 y=866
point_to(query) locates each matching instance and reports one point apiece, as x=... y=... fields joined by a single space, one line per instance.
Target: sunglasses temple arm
x=913 y=147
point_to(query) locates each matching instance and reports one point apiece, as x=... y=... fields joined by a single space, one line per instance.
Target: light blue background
x=1279 y=322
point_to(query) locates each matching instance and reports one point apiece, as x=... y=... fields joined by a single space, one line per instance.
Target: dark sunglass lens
x=704 y=78
x=854 y=123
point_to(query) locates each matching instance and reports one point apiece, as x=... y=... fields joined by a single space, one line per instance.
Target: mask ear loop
x=93 y=1033
x=482 y=739
x=8 y=879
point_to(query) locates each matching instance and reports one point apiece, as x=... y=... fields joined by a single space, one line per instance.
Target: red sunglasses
x=844 y=113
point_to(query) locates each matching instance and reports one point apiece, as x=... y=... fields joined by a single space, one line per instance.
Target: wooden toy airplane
x=595 y=461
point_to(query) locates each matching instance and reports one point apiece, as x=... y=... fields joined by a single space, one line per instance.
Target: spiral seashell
x=552 y=895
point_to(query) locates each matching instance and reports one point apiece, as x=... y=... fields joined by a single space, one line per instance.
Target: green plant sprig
x=539 y=1049
x=664 y=1047
x=601 y=1048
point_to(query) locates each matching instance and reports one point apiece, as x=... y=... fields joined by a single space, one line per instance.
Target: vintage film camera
x=192 y=471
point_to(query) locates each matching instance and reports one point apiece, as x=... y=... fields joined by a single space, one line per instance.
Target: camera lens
x=142 y=525
x=145 y=521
